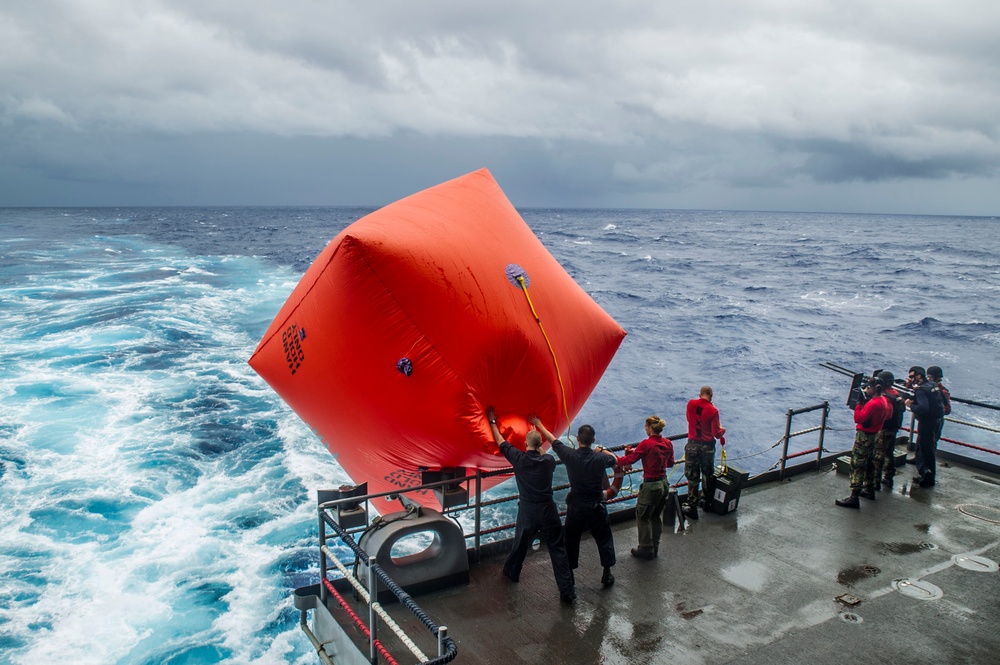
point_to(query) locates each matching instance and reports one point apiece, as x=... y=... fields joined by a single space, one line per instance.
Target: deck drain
x=905 y=548
x=918 y=589
x=850 y=617
x=980 y=564
x=855 y=574
x=985 y=513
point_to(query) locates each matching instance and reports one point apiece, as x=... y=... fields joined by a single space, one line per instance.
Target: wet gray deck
x=759 y=585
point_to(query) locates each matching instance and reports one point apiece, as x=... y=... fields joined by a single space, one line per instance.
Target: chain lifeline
x=393 y=626
x=782 y=439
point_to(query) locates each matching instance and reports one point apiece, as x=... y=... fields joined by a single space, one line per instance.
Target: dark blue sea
x=156 y=497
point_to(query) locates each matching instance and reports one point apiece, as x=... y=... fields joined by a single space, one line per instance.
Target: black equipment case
x=724 y=496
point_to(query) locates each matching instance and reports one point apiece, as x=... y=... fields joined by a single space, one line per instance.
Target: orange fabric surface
x=426 y=279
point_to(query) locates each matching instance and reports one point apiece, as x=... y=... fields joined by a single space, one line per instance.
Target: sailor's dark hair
x=934 y=370
x=585 y=435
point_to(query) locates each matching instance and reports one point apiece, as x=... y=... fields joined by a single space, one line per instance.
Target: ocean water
x=156 y=497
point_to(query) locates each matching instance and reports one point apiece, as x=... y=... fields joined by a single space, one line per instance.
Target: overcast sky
x=841 y=105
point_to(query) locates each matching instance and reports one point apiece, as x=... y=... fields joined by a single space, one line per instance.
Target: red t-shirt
x=657 y=455
x=873 y=414
x=703 y=421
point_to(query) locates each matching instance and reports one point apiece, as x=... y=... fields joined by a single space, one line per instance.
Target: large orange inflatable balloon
x=418 y=316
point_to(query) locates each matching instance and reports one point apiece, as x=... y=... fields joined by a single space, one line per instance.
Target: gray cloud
x=756 y=102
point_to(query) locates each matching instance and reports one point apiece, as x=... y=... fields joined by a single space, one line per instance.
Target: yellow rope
x=555 y=361
x=677 y=465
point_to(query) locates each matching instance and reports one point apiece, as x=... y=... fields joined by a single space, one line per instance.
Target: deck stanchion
x=442 y=633
x=322 y=555
x=479 y=513
x=784 y=450
x=822 y=431
x=372 y=615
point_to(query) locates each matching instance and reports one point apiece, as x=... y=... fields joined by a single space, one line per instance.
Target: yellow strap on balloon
x=555 y=361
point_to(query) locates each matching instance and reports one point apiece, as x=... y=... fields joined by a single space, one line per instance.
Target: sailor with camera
x=869 y=417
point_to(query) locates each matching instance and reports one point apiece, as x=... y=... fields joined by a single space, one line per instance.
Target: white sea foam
x=158 y=499
x=127 y=539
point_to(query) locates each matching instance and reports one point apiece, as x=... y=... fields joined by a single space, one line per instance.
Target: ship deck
x=760 y=585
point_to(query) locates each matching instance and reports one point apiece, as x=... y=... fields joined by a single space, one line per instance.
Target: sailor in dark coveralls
x=927 y=406
x=588 y=473
x=536 y=509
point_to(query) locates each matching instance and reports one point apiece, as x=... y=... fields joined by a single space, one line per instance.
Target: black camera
x=856 y=397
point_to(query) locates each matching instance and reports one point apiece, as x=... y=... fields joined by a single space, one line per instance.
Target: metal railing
x=477 y=504
x=625 y=496
x=911 y=430
x=367 y=590
x=914 y=427
x=784 y=466
x=824 y=409
x=446 y=648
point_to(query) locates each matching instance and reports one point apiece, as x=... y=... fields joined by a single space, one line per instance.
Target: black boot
x=868 y=493
x=850 y=501
x=607 y=579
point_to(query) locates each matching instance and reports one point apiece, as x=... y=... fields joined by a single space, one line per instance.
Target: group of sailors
x=879 y=409
x=587 y=466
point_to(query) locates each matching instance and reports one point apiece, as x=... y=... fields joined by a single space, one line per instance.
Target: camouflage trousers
x=699 y=464
x=883 y=458
x=648 y=509
x=862 y=471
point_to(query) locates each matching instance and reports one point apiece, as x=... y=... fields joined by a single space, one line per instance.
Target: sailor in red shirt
x=699 y=452
x=869 y=417
x=657 y=455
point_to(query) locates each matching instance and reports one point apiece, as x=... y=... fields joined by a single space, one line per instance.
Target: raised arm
x=492 y=417
x=537 y=422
